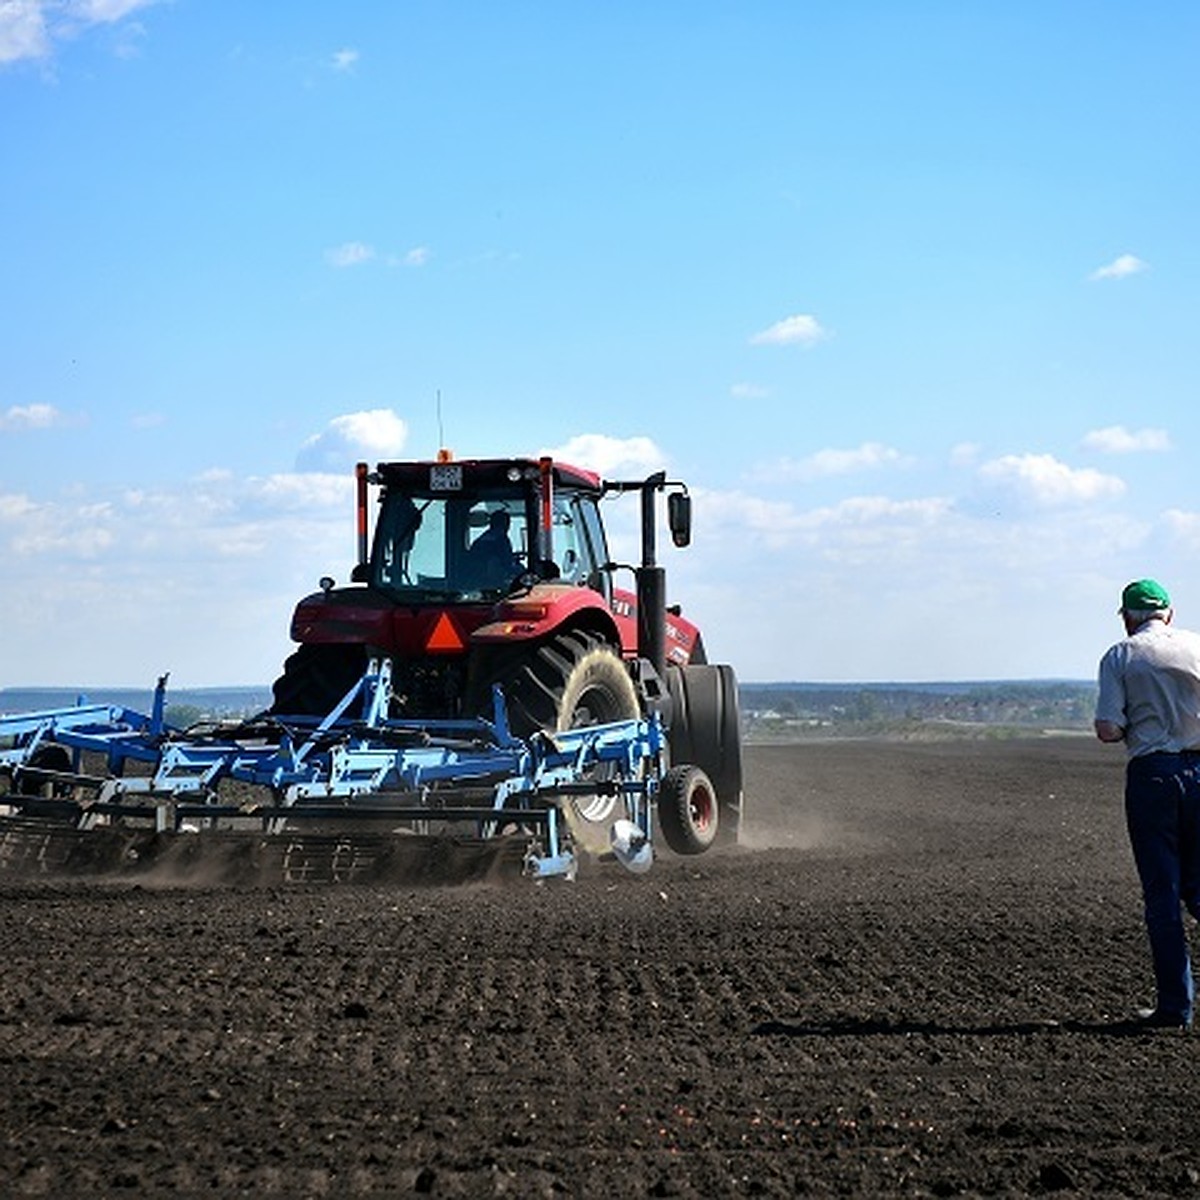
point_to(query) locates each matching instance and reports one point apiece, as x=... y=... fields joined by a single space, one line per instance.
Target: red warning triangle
x=444 y=635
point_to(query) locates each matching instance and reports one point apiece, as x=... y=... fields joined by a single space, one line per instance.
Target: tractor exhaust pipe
x=651 y=578
x=652 y=583
x=360 y=479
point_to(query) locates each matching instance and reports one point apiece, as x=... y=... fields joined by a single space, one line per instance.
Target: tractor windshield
x=477 y=546
x=450 y=547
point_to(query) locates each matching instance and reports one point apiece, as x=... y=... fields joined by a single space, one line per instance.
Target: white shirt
x=1150 y=685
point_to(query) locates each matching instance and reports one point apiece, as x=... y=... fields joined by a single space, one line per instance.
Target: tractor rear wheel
x=688 y=811
x=706 y=731
x=315 y=678
x=571 y=681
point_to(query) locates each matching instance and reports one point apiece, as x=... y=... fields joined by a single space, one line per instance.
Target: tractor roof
x=415 y=475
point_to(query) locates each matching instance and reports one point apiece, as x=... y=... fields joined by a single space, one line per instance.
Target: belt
x=1186 y=755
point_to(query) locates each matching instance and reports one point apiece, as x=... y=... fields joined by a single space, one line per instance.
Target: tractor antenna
x=441 y=431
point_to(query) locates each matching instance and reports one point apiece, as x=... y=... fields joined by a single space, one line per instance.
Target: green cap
x=1143 y=595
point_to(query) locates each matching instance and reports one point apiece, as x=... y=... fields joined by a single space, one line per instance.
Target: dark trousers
x=1162 y=811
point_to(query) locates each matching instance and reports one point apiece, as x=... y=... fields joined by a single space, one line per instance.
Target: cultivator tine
x=30 y=847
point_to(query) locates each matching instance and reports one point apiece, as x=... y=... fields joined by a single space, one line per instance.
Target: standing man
x=1150 y=699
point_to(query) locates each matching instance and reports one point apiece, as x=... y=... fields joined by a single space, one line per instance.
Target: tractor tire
x=706 y=732
x=315 y=678
x=34 y=780
x=688 y=811
x=571 y=681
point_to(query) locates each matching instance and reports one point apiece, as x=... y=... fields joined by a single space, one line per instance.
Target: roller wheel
x=315 y=678
x=706 y=732
x=688 y=811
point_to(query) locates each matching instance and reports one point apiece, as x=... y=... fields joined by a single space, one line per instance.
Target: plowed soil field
x=910 y=980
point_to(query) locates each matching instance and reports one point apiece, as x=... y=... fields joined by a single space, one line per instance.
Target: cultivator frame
x=351 y=779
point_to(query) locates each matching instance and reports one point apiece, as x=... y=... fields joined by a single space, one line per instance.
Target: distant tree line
x=791 y=711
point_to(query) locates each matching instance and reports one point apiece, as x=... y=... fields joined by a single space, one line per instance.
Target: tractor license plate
x=446 y=477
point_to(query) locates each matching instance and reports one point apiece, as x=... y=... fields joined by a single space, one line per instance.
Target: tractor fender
x=545 y=609
x=354 y=615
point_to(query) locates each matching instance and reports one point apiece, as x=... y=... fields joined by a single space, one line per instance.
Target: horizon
x=829 y=685
x=906 y=295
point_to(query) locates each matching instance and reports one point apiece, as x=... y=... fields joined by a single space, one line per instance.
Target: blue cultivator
x=356 y=782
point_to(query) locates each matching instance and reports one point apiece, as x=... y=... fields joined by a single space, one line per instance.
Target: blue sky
x=907 y=292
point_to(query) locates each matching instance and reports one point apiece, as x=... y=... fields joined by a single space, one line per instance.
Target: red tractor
x=487 y=572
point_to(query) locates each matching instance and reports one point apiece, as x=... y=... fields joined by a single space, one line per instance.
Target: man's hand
x=1109 y=731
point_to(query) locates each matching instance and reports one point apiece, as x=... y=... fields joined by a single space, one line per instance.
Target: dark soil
x=911 y=980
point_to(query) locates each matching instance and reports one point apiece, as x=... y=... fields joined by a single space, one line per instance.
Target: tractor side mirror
x=679 y=517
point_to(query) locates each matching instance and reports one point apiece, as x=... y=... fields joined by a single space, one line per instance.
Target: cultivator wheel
x=688 y=810
x=46 y=774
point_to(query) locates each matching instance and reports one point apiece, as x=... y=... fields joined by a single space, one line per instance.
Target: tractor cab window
x=496 y=546
x=458 y=546
x=574 y=539
x=573 y=556
x=407 y=539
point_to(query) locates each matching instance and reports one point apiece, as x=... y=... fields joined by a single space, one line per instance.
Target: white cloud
x=23 y=32
x=798 y=330
x=345 y=59
x=79 y=542
x=1121 y=267
x=826 y=463
x=764 y=579
x=746 y=526
x=307 y=491
x=418 y=256
x=748 y=391
x=1184 y=527
x=864 y=510
x=215 y=475
x=1043 y=480
x=30 y=416
x=375 y=434
x=776 y=587
x=14 y=507
x=349 y=254
x=238 y=552
x=29 y=29
x=609 y=456
x=965 y=454
x=1116 y=439
x=95 y=12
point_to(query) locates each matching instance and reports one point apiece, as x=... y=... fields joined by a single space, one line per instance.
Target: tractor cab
x=475 y=533
x=476 y=565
